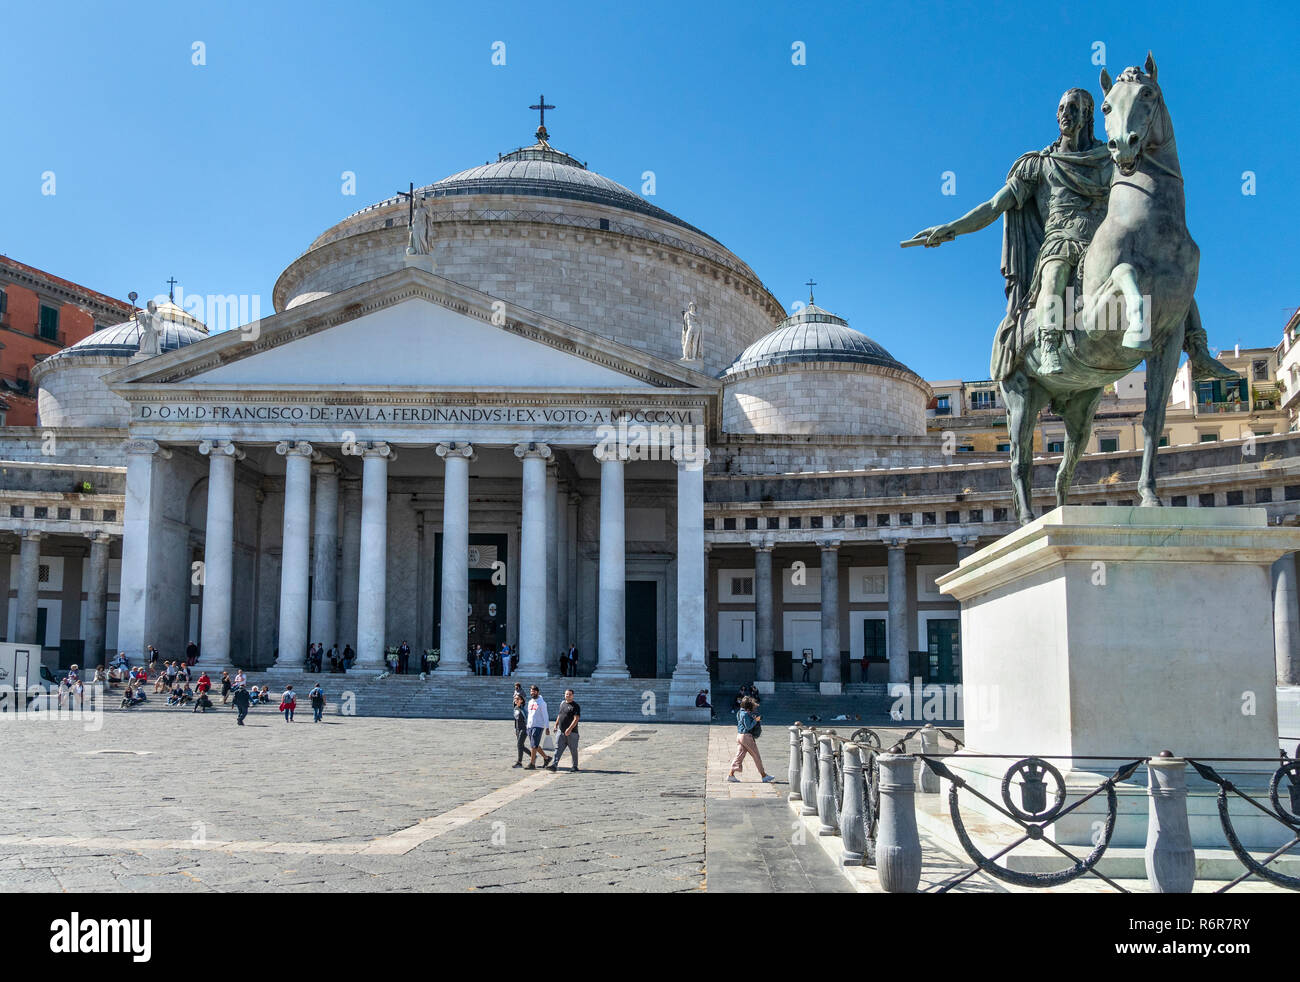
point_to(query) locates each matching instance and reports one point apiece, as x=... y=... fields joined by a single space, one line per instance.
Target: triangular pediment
x=410 y=328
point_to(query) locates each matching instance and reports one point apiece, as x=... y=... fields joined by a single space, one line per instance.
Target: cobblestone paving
x=631 y=820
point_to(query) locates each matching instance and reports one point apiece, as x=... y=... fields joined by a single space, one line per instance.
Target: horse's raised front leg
x=1162 y=365
x=1076 y=411
x=1023 y=399
x=1122 y=284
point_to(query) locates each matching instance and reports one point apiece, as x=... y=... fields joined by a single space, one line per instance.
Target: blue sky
x=221 y=174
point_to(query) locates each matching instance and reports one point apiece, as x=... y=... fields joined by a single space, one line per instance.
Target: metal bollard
x=827 y=809
x=898 y=844
x=796 y=752
x=1170 y=858
x=808 y=789
x=853 y=832
x=926 y=780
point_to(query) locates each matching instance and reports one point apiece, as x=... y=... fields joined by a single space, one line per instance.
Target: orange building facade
x=39 y=314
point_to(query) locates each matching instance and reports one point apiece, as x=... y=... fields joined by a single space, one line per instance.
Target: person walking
x=288 y=702
x=538 y=722
x=241 y=700
x=747 y=725
x=566 y=730
x=521 y=728
x=317 y=696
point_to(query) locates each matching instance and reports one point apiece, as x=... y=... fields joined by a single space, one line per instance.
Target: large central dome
x=539 y=229
x=544 y=172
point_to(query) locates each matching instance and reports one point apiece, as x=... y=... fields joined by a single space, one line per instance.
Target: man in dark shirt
x=242 y=698
x=566 y=730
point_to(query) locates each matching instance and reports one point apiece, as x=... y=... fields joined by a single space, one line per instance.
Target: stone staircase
x=457 y=697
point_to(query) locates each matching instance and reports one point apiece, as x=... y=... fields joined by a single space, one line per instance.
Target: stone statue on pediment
x=148 y=321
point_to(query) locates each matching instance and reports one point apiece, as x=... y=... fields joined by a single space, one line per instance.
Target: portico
x=537 y=461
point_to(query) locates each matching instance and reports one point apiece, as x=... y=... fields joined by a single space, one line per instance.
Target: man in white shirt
x=538 y=722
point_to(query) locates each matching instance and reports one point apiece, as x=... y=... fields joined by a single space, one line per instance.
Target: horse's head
x=1134 y=110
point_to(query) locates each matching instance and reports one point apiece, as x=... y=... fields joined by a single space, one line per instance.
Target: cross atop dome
x=541 y=127
x=810 y=284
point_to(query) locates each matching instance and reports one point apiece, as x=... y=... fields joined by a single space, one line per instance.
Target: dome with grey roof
x=814 y=375
x=72 y=391
x=812 y=334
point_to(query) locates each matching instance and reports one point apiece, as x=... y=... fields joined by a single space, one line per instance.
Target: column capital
x=449 y=450
x=300 y=447
x=966 y=540
x=137 y=447
x=691 y=458
x=526 y=450
x=607 y=454
x=760 y=543
x=226 y=447
x=374 y=448
x=828 y=544
x=102 y=537
x=897 y=543
x=31 y=535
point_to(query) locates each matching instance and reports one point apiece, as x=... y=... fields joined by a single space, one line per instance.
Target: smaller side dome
x=72 y=391
x=816 y=375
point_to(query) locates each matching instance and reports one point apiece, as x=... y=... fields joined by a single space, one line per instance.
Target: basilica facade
x=479 y=415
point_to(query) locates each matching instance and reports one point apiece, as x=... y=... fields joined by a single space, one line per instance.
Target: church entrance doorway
x=488 y=595
x=641 y=635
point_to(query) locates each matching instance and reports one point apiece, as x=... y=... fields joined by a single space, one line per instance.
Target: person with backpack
x=288 y=702
x=317 y=696
x=748 y=726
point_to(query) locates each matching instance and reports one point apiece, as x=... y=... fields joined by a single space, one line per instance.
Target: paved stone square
x=171 y=801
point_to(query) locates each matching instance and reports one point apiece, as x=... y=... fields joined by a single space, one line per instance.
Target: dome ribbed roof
x=176 y=329
x=809 y=335
x=544 y=172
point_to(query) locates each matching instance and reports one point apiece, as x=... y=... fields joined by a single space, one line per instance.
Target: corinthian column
x=325 y=556
x=295 y=551
x=692 y=670
x=453 y=637
x=97 y=599
x=532 y=561
x=219 y=550
x=142 y=618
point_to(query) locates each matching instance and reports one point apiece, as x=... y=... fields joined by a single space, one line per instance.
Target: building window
x=1178 y=501
x=49 y=323
x=1004 y=448
x=15 y=511
x=999 y=514
x=815 y=522
x=1259 y=370
x=1107 y=444
x=942 y=406
x=742 y=586
x=773 y=522
x=905 y=518
x=1291 y=492
x=795 y=522
x=984 y=399
x=928 y=518
x=87 y=515
x=110 y=514
x=966 y=448
x=728 y=525
x=1209 y=437
x=977 y=514
x=708 y=522
x=837 y=521
x=751 y=524
x=882 y=521
x=1263 y=496
x=1235 y=498
x=4 y=304
x=43 y=573
x=859 y=521
x=1056 y=446
x=65 y=514
x=1264 y=431
x=1206 y=500
x=1164 y=441
x=951 y=517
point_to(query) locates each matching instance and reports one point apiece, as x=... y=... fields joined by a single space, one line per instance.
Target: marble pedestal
x=1102 y=631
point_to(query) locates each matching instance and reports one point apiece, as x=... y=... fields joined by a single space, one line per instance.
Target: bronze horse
x=1139 y=276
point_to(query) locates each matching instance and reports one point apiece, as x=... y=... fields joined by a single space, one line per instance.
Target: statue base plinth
x=1100 y=632
x=694 y=364
x=419 y=262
